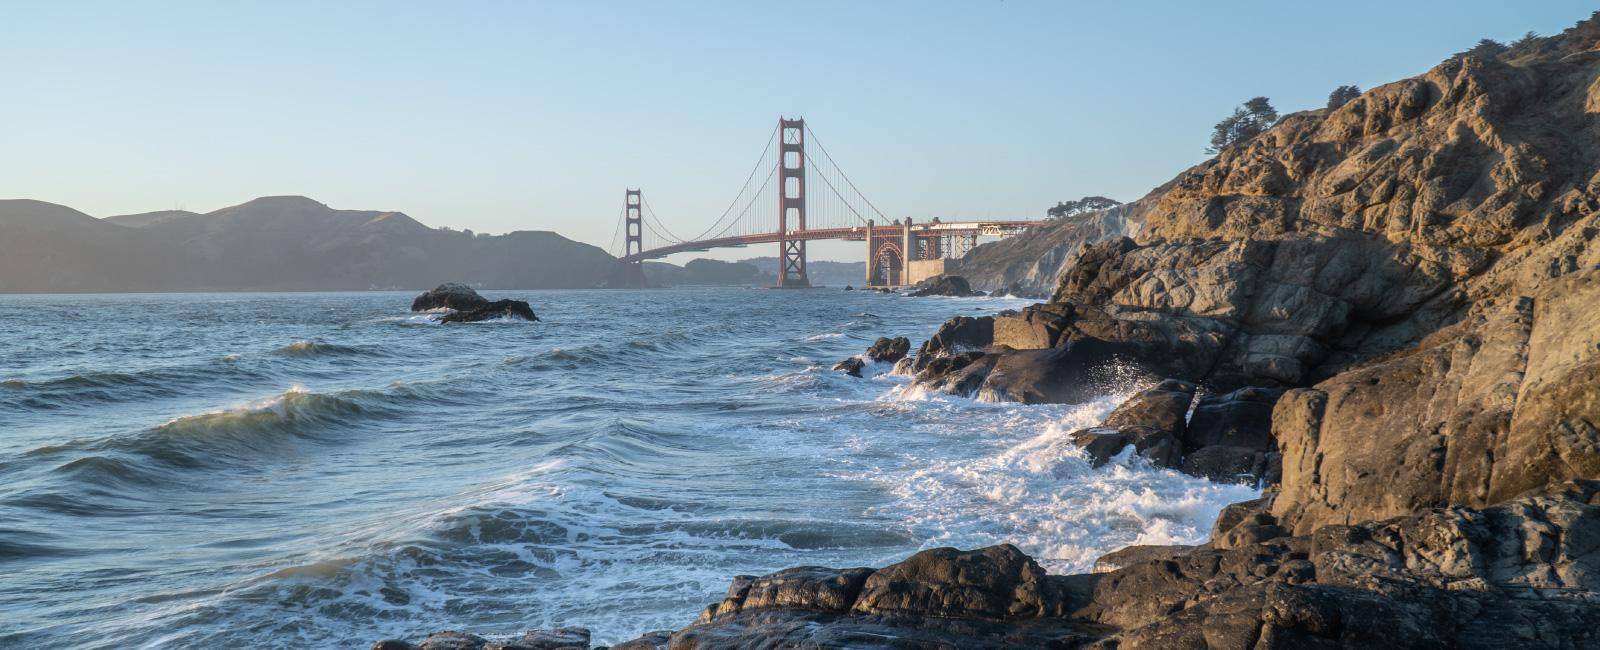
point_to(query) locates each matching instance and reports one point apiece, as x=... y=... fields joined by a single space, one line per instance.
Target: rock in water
x=851 y=366
x=884 y=350
x=887 y=350
x=450 y=295
x=491 y=311
x=947 y=285
x=1152 y=421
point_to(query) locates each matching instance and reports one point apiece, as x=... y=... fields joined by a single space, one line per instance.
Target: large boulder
x=946 y=285
x=450 y=295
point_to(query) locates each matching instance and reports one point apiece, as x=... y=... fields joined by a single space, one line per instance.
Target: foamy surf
x=613 y=468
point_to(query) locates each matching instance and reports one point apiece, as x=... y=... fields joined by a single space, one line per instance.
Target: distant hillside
x=704 y=272
x=822 y=272
x=282 y=243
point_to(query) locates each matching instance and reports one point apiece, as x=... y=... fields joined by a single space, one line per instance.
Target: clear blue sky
x=524 y=115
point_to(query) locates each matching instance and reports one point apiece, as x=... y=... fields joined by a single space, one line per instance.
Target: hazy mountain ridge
x=283 y=243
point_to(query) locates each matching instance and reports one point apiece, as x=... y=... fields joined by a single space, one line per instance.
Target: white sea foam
x=1030 y=485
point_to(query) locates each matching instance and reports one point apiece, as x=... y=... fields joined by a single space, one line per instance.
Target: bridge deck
x=858 y=233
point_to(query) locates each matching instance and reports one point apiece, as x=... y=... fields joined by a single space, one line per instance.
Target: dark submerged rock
x=450 y=295
x=489 y=311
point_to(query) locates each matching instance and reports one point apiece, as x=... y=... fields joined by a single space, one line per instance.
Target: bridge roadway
x=998 y=228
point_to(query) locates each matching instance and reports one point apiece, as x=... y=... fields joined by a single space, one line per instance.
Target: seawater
x=325 y=470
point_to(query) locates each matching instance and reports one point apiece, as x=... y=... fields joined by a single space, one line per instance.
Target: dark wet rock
x=1228 y=464
x=995 y=583
x=1242 y=418
x=1138 y=554
x=887 y=350
x=960 y=373
x=1037 y=377
x=849 y=288
x=884 y=350
x=959 y=334
x=946 y=285
x=491 y=311
x=393 y=644
x=813 y=588
x=1152 y=421
x=851 y=366
x=450 y=295
x=1162 y=407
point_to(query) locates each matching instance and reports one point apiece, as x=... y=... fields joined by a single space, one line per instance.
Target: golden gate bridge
x=777 y=209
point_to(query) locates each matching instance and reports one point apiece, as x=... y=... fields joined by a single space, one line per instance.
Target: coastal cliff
x=1387 y=305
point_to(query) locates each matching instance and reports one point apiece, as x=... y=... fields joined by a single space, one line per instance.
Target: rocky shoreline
x=1382 y=313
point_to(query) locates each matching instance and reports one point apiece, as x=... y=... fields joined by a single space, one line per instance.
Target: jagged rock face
x=1503 y=402
x=1031 y=265
x=1339 y=236
x=450 y=295
x=1424 y=256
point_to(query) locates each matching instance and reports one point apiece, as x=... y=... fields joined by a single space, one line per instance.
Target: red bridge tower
x=791 y=203
x=633 y=220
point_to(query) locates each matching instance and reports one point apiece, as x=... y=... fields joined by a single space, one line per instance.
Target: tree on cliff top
x=1084 y=205
x=1247 y=121
x=1485 y=49
x=1342 y=95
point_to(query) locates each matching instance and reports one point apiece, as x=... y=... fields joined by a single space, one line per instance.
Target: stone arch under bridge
x=885 y=263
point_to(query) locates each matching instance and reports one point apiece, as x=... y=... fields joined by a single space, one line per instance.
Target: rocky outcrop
x=468 y=307
x=1416 y=264
x=512 y=309
x=450 y=295
x=946 y=285
x=1523 y=574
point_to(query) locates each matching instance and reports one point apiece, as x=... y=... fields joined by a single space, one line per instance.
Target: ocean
x=325 y=470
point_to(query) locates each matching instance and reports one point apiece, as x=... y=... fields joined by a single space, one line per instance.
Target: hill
x=281 y=243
